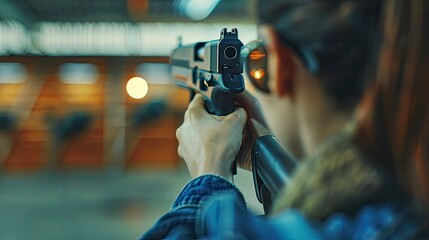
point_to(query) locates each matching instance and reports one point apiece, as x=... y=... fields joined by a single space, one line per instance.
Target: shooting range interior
x=88 y=112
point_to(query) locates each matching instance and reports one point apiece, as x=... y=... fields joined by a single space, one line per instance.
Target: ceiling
x=140 y=27
x=30 y=12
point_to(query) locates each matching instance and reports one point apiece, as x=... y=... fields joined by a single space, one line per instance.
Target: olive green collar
x=337 y=178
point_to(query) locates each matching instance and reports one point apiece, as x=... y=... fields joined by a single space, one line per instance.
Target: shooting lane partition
x=152 y=122
x=59 y=125
x=77 y=131
x=24 y=140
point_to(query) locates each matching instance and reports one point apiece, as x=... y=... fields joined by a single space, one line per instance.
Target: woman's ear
x=280 y=64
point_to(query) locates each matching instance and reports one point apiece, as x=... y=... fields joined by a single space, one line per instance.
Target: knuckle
x=238 y=119
x=179 y=152
x=193 y=113
x=179 y=131
x=187 y=114
x=193 y=108
x=237 y=116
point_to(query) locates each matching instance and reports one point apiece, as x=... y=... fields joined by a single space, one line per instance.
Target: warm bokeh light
x=256 y=55
x=257 y=74
x=137 y=87
x=197 y=10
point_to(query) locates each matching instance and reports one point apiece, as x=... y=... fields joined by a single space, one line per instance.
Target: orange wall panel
x=28 y=150
x=34 y=145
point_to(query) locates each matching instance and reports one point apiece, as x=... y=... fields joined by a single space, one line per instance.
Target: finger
x=197 y=102
x=178 y=137
x=259 y=129
x=239 y=115
x=247 y=100
x=186 y=117
x=196 y=108
x=179 y=152
x=178 y=130
x=252 y=105
x=244 y=155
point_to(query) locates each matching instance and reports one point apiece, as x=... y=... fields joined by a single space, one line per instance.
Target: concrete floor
x=92 y=205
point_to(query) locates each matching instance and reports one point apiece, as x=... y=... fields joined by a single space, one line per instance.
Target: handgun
x=212 y=68
x=215 y=69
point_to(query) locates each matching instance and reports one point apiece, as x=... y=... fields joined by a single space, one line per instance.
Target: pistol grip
x=223 y=103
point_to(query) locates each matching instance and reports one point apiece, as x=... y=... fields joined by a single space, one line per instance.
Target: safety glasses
x=254 y=57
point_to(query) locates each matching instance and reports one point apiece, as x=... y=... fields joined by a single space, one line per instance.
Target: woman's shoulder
x=224 y=217
x=337 y=178
x=379 y=221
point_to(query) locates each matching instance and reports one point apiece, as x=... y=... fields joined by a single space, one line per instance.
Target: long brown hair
x=339 y=34
x=394 y=123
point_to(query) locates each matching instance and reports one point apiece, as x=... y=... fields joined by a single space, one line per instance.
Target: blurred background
x=88 y=112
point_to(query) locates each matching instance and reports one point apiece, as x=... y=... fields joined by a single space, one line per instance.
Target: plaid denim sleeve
x=179 y=222
x=198 y=189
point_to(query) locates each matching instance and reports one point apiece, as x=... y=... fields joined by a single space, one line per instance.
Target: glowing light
x=155 y=73
x=137 y=87
x=256 y=54
x=78 y=73
x=257 y=74
x=198 y=10
x=13 y=73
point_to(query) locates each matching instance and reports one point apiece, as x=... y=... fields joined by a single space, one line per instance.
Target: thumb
x=238 y=115
x=197 y=102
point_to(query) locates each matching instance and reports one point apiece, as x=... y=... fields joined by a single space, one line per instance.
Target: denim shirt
x=211 y=207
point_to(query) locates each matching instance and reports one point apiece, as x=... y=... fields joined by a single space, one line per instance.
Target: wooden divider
x=154 y=144
x=26 y=146
x=109 y=138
